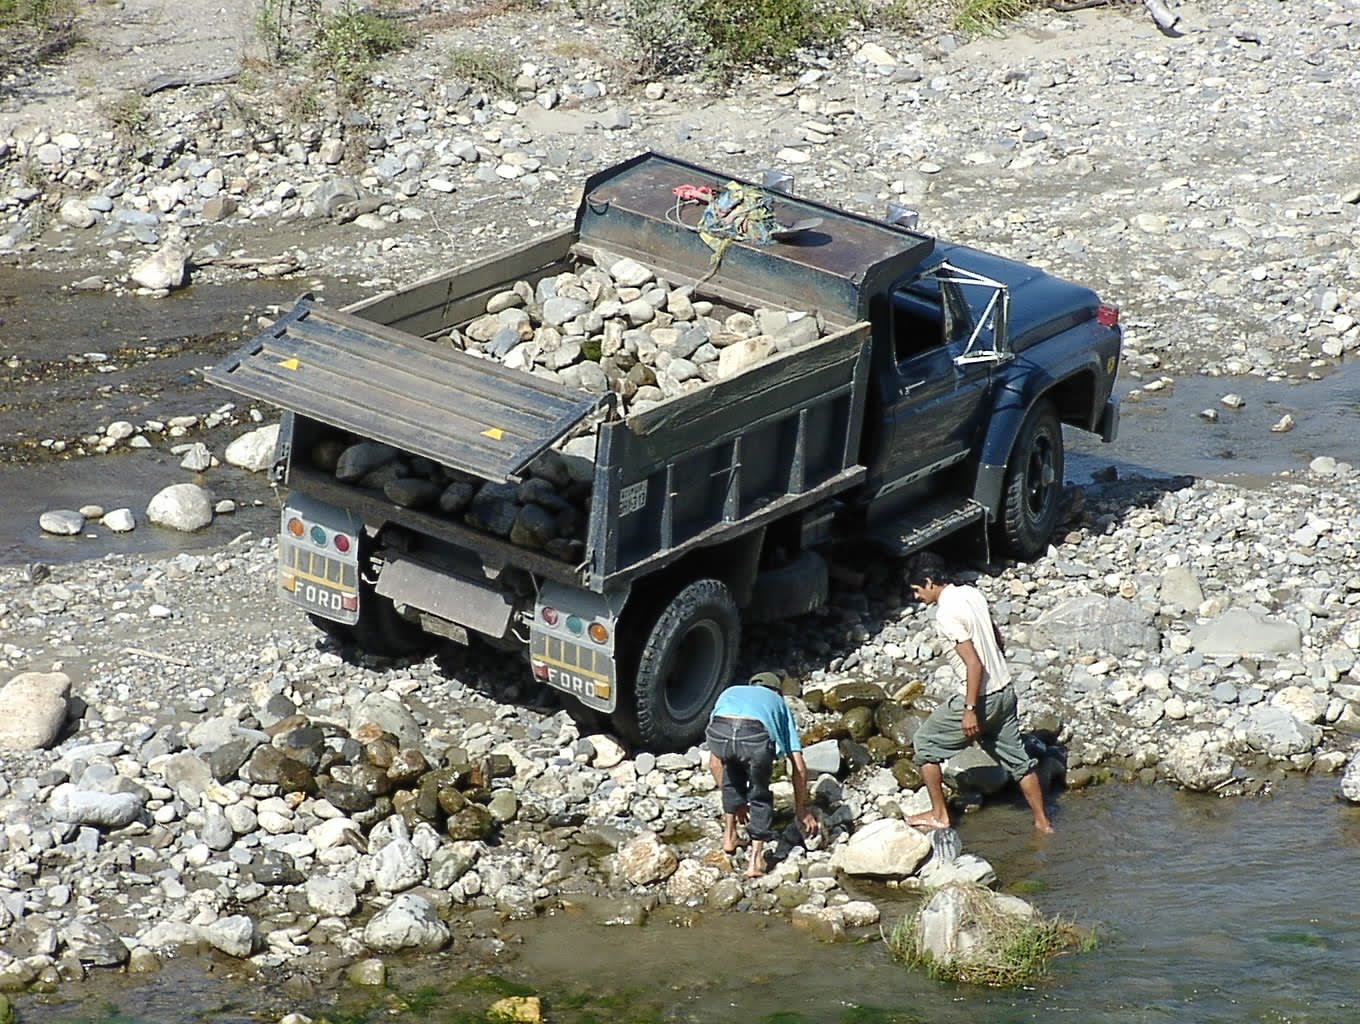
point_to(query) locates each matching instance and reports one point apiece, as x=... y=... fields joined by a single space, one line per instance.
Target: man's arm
x=801 y=811
x=972 y=664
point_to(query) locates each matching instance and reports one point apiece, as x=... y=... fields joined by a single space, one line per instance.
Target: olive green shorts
x=941 y=736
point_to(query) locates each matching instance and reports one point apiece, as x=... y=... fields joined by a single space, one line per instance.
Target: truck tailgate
x=420 y=396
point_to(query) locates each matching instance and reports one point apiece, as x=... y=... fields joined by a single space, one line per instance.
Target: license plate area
x=584 y=672
x=320 y=583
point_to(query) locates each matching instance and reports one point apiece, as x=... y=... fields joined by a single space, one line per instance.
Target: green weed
x=490 y=69
x=981 y=16
x=348 y=42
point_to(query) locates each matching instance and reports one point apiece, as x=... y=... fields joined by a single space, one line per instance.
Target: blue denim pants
x=747 y=755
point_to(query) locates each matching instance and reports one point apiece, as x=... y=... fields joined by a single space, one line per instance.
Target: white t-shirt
x=961 y=614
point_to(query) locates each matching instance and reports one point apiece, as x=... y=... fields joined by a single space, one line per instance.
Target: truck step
x=926 y=523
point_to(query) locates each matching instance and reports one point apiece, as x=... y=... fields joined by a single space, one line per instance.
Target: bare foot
x=927 y=819
x=754 y=871
x=732 y=847
x=1044 y=827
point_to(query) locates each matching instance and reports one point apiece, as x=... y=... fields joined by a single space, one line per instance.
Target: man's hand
x=972 y=729
x=808 y=821
x=742 y=814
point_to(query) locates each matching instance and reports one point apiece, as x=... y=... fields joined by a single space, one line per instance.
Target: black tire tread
x=1018 y=533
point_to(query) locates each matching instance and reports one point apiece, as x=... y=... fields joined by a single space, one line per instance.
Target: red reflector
x=540 y=670
x=1107 y=316
x=349 y=602
x=549 y=615
x=341 y=543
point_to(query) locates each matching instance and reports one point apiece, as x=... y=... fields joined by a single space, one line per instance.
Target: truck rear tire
x=686 y=661
x=1032 y=497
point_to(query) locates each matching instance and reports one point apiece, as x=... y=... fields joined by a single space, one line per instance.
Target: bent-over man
x=751 y=726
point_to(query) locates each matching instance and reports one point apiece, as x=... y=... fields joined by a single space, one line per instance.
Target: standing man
x=986 y=710
x=749 y=727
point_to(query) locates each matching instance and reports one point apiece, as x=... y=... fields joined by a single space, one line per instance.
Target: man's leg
x=1033 y=791
x=939 y=738
x=938 y=815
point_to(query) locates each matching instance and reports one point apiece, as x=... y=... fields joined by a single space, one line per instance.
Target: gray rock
x=196 y=458
x=330 y=897
x=397 y=867
x=1277 y=732
x=95 y=944
x=101 y=810
x=359 y=460
x=119 y=520
x=163 y=270
x=389 y=716
x=1350 y=780
x=887 y=848
x=62 y=521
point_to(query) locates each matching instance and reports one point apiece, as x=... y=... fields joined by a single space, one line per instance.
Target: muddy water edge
x=1205 y=910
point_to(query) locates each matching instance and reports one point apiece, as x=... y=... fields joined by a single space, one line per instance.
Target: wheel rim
x=1040 y=477
x=694 y=669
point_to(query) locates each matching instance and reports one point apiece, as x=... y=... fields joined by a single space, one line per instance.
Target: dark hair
x=928 y=566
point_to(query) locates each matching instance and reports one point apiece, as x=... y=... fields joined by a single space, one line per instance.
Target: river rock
x=1277 y=732
x=163 y=270
x=386 y=715
x=119 y=520
x=233 y=935
x=646 y=859
x=63 y=522
x=1239 y=633
x=975 y=770
x=254 y=451
x=1196 y=762
x=398 y=866
x=96 y=944
x=183 y=507
x=409 y=922
x=1180 y=589
x=887 y=848
x=102 y=810
x=967 y=868
x=77 y=214
x=33 y=710
x=690 y=883
x=1350 y=780
x=331 y=896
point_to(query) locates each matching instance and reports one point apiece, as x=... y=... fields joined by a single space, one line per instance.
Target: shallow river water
x=1206 y=910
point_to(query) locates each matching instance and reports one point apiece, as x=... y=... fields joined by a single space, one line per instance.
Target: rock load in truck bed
x=620 y=330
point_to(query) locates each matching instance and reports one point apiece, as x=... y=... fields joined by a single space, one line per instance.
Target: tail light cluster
x=575 y=625
x=1107 y=315
x=342 y=542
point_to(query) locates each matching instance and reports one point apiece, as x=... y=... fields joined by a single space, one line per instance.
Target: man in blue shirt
x=750 y=726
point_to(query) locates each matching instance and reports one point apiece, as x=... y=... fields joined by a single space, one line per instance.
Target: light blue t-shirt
x=767 y=707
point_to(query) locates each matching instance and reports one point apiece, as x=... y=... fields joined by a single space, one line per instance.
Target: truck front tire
x=686 y=661
x=1032 y=497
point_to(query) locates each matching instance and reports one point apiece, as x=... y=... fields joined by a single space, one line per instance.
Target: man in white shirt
x=985 y=712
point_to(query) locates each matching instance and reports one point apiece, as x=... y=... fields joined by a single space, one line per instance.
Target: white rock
x=162 y=270
x=184 y=507
x=887 y=848
x=409 y=922
x=120 y=520
x=254 y=451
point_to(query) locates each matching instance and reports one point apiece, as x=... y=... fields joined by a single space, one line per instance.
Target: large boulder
x=1094 y=623
x=887 y=848
x=1278 y=732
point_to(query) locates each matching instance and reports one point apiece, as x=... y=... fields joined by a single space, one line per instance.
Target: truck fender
x=1012 y=405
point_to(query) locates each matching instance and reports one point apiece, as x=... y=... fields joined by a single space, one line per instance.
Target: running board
x=926 y=523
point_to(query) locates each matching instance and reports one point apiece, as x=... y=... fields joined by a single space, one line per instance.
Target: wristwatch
x=970 y=707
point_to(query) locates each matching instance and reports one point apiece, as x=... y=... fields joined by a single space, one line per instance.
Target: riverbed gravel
x=1189 y=632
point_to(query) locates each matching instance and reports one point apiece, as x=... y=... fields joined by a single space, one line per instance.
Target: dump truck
x=930 y=398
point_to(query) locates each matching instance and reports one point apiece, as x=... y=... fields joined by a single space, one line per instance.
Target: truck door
x=942 y=392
